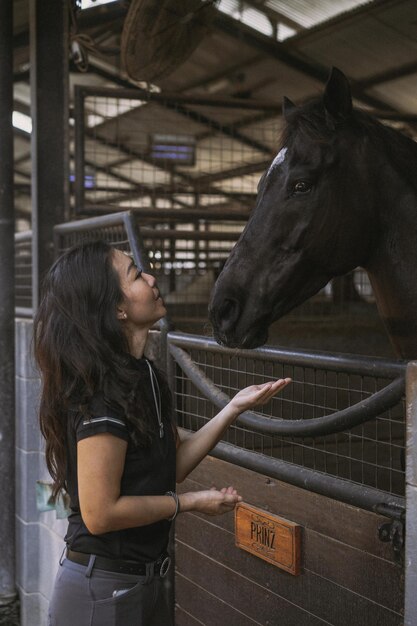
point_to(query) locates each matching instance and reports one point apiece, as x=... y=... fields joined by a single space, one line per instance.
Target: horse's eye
x=301 y=186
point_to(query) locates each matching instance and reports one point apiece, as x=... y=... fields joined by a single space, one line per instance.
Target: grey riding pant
x=86 y=596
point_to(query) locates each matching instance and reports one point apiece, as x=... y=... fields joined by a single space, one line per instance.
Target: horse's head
x=310 y=221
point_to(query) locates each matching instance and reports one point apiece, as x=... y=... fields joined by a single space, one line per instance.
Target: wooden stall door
x=348 y=576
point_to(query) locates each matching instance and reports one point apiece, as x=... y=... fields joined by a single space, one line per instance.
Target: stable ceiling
x=255 y=50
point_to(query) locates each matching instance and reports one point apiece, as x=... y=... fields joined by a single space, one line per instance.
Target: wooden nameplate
x=269 y=537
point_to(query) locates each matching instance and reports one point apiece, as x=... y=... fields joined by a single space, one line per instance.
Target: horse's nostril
x=228 y=313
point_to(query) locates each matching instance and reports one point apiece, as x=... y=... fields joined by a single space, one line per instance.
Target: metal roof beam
x=280 y=52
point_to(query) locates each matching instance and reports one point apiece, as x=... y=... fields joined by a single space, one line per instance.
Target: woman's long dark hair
x=80 y=349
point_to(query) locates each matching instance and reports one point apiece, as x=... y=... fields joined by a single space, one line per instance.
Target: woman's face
x=142 y=305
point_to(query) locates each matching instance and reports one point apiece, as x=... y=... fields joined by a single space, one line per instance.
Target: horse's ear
x=337 y=98
x=287 y=106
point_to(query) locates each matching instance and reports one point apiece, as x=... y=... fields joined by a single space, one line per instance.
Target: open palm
x=256 y=395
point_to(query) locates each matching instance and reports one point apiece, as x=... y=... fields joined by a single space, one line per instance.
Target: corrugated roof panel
x=361 y=47
x=303 y=12
x=308 y=14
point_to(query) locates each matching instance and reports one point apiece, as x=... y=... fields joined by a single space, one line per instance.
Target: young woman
x=111 y=441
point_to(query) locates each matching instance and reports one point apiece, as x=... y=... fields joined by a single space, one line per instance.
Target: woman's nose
x=151 y=280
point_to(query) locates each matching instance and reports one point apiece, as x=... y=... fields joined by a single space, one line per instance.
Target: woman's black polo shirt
x=148 y=471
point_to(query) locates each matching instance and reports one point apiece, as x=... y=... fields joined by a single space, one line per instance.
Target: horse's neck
x=392 y=269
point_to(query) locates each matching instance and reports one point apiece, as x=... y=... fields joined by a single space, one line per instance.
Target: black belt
x=161 y=566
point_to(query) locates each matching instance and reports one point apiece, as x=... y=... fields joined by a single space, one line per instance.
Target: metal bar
x=136 y=242
x=21 y=311
x=101 y=221
x=159 y=233
x=361 y=365
x=24 y=235
x=79 y=154
x=158 y=191
x=351 y=493
x=50 y=153
x=177 y=214
x=345 y=419
x=410 y=609
x=7 y=347
x=168 y=97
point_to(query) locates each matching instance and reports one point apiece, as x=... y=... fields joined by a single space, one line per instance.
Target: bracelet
x=177 y=504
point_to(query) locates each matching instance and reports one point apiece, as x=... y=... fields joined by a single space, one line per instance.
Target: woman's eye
x=301 y=186
x=138 y=274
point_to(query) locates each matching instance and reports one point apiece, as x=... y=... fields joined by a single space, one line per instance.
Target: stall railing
x=337 y=430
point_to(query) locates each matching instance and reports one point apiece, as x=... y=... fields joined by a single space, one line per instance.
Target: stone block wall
x=39 y=536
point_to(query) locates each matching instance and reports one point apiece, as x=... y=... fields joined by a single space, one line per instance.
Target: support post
x=7 y=399
x=50 y=112
x=410 y=608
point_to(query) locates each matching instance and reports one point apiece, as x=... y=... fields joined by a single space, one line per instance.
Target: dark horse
x=341 y=193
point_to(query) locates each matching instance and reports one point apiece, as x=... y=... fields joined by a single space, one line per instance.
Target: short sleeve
x=101 y=420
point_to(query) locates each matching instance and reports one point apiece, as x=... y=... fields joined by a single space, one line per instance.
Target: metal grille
x=114 y=234
x=371 y=454
x=189 y=168
x=186 y=262
x=23 y=273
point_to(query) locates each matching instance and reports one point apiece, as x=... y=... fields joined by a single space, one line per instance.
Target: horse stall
x=322 y=468
x=186 y=174
x=331 y=462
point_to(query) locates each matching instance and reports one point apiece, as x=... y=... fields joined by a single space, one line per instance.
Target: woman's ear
x=121 y=315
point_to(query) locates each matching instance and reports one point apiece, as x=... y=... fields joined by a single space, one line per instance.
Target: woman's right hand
x=210 y=501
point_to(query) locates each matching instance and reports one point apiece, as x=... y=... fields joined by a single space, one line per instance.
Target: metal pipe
x=351 y=493
x=410 y=609
x=362 y=365
x=50 y=134
x=7 y=348
x=211 y=235
x=337 y=422
x=168 y=98
x=172 y=214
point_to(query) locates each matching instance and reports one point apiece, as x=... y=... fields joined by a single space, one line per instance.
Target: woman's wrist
x=186 y=501
x=176 y=499
x=234 y=412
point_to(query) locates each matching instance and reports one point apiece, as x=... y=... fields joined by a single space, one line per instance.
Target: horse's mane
x=309 y=122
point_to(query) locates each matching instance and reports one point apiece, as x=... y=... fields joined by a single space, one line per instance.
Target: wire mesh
x=370 y=454
x=23 y=270
x=115 y=235
x=189 y=168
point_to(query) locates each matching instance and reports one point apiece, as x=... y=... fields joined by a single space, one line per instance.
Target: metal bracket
x=394 y=530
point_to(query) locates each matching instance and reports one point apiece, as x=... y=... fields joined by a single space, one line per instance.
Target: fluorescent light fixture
x=179 y=149
x=87 y=4
x=22 y=121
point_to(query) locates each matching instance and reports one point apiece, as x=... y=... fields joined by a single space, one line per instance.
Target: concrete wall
x=39 y=536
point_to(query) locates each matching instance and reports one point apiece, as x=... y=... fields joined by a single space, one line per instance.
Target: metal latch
x=394 y=530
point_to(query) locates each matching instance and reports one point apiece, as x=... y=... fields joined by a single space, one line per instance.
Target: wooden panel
x=182 y=618
x=345 y=523
x=259 y=604
x=331 y=602
x=349 y=576
x=211 y=611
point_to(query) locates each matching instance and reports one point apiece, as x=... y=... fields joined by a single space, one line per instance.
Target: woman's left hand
x=256 y=395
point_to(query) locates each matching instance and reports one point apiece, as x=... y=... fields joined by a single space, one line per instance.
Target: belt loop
x=90 y=565
x=150 y=572
x=61 y=558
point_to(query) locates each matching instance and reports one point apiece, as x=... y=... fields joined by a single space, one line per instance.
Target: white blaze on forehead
x=280 y=158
